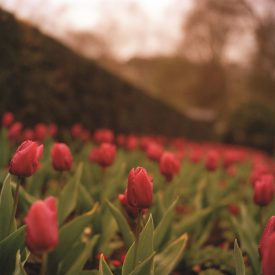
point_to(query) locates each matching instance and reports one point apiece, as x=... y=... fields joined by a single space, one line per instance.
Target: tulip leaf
x=6 y=205
x=238 y=257
x=189 y=222
x=141 y=250
x=104 y=269
x=8 y=248
x=68 y=198
x=79 y=259
x=166 y=261
x=123 y=225
x=19 y=269
x=145 y=267
x=248 y=244
x=108 y=230
x=68 y=235
x=164 y=225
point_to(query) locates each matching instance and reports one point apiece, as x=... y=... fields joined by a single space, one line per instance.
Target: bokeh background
x=204 y=69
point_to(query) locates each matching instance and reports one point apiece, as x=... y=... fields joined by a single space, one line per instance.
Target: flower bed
x=105 y=204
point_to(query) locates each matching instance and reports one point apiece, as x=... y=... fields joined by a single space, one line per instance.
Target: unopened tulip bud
x=268 y=263
x=140 y=188
x=41 y=226
x=263 y=190
x=154 y=151
x=103 y=136
x=131 y=211
x=26 y=159
x=269 y=229
x=14 y=131
x=212 y=160
x=169 y=165
x=7 y=119
x=103 y=155
x=62 y=158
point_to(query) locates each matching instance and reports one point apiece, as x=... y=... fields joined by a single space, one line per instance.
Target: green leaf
x=68 y=235
x=248 y=243
x=164 y=225
x=81 y=258
x=123 y=225
x=166 y=261
x=68 y=197
x=188 y=223
x=6 y=205
x=145 y=267
x=141 y=250
x=104 y=269
x=238 y=257
x=8 y=248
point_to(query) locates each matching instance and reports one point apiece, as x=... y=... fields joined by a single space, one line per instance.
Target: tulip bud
x=103 y=155
x=269 y=229
x=25 y=161
x=131 y=211
x=131 y=143
x=28 y=134
x=263 y=190
x=212 y=160
x=62 y=158
x=14 y=132
x=268 y=263
x=103 y=136
x=52 y=129
x=41 y=226
x=154 y=151
x=76 y=130
x=140 y=188
x=7 y=119
x=169 y=165
x=121 y=139
x=196 y=155
x=40 y=131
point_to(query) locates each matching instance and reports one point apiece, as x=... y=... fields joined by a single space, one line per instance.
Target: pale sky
x=151 y=26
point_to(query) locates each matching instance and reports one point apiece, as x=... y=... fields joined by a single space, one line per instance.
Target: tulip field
x=104 y=203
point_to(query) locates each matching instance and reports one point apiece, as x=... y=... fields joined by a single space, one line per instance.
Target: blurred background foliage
x=212 y=96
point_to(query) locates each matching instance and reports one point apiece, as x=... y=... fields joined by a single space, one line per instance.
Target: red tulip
x=131 y=143
x=14 y=131
x=258 y=171
x=7 y=119
x=169 y=165
x=103 y=136
x=212 y=160
x=268 y=263
x=103 y=155
x=196 y=155
x=234 y=209
x=263 y=190
x=154 y=151
x=62 y=158
x=140 y=188
x=131 y=211
x=269 y=229
x=121 y=139
x=28 y=134
x=52 y=129
x=41 y=226
x=40 y=131
x=85 y=135
x=25 y=161
x=76 y=130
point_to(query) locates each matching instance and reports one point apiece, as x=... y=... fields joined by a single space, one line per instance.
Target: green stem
x=261 y=218
x=15 y=202
x=139 y=219
x=43 y=269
